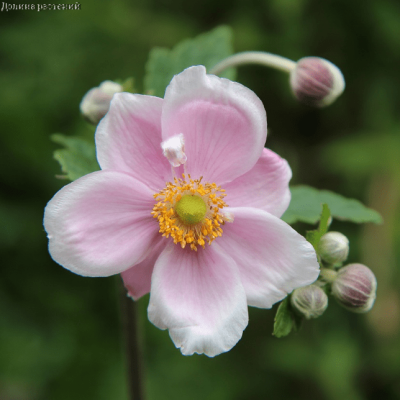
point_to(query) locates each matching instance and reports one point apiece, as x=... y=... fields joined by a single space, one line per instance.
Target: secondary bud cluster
x=353 y=286
x=316 y=81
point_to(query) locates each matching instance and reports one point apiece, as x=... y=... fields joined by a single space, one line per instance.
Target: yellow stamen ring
x=189 y=211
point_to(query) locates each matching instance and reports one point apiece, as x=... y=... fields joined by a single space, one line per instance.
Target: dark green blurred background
x=60 y=333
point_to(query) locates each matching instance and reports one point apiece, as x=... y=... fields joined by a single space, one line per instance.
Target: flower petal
x=198 y=296
x=100 y=225
x=128 y=139
x=265 y=186
x=273 y=259
x=223 y=123
x=137 y=279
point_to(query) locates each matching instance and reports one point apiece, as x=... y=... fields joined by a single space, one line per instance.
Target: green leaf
x=207 y=49
x=283 y=324
x=306 y=206
x=78 y=158
x=315 y=236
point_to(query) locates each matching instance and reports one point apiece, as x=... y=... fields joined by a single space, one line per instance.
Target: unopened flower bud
x=355 y=288
x=309 y=301
x=333 y=247
x=96 y=101
x=316 y=81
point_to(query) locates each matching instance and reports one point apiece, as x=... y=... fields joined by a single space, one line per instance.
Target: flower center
x=190 y=211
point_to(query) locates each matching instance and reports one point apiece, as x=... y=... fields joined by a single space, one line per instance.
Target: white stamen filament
x=174 y=150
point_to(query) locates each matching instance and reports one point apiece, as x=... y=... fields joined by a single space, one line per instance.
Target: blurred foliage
x=207 y=49
x=78 y=158
x=60 y=333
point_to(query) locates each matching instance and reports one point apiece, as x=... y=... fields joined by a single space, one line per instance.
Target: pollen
x=189 y=211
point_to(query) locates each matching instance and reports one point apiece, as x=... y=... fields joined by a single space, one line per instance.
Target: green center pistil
x=191 y=209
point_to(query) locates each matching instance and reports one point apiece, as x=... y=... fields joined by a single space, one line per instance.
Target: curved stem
x=132 y=345
x=254 y=57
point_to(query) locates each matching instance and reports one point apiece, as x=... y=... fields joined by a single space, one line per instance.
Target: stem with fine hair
x=129 y=314
x=254 y=57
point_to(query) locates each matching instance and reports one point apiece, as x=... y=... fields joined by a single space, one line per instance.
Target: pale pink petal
x=198 y=296
x=273 y=259
x=266 y=186
x=137 y=279
x=223 y=123
x=101 y=224
x=128 y=139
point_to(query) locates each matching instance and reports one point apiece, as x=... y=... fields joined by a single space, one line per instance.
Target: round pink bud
x=96 y=101
x=355 y=288
x=309 y=301
x=333 y=247
x=316 y=81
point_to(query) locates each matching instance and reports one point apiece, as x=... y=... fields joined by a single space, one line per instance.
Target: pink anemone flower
x=158 y=212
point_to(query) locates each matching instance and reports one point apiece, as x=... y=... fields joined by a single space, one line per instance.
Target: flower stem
x=328 y=275
x=132 y=345
x=254 y=57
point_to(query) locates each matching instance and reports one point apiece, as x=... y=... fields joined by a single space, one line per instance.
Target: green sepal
x=297 y=322
x=315 y=236
x=286 y=320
